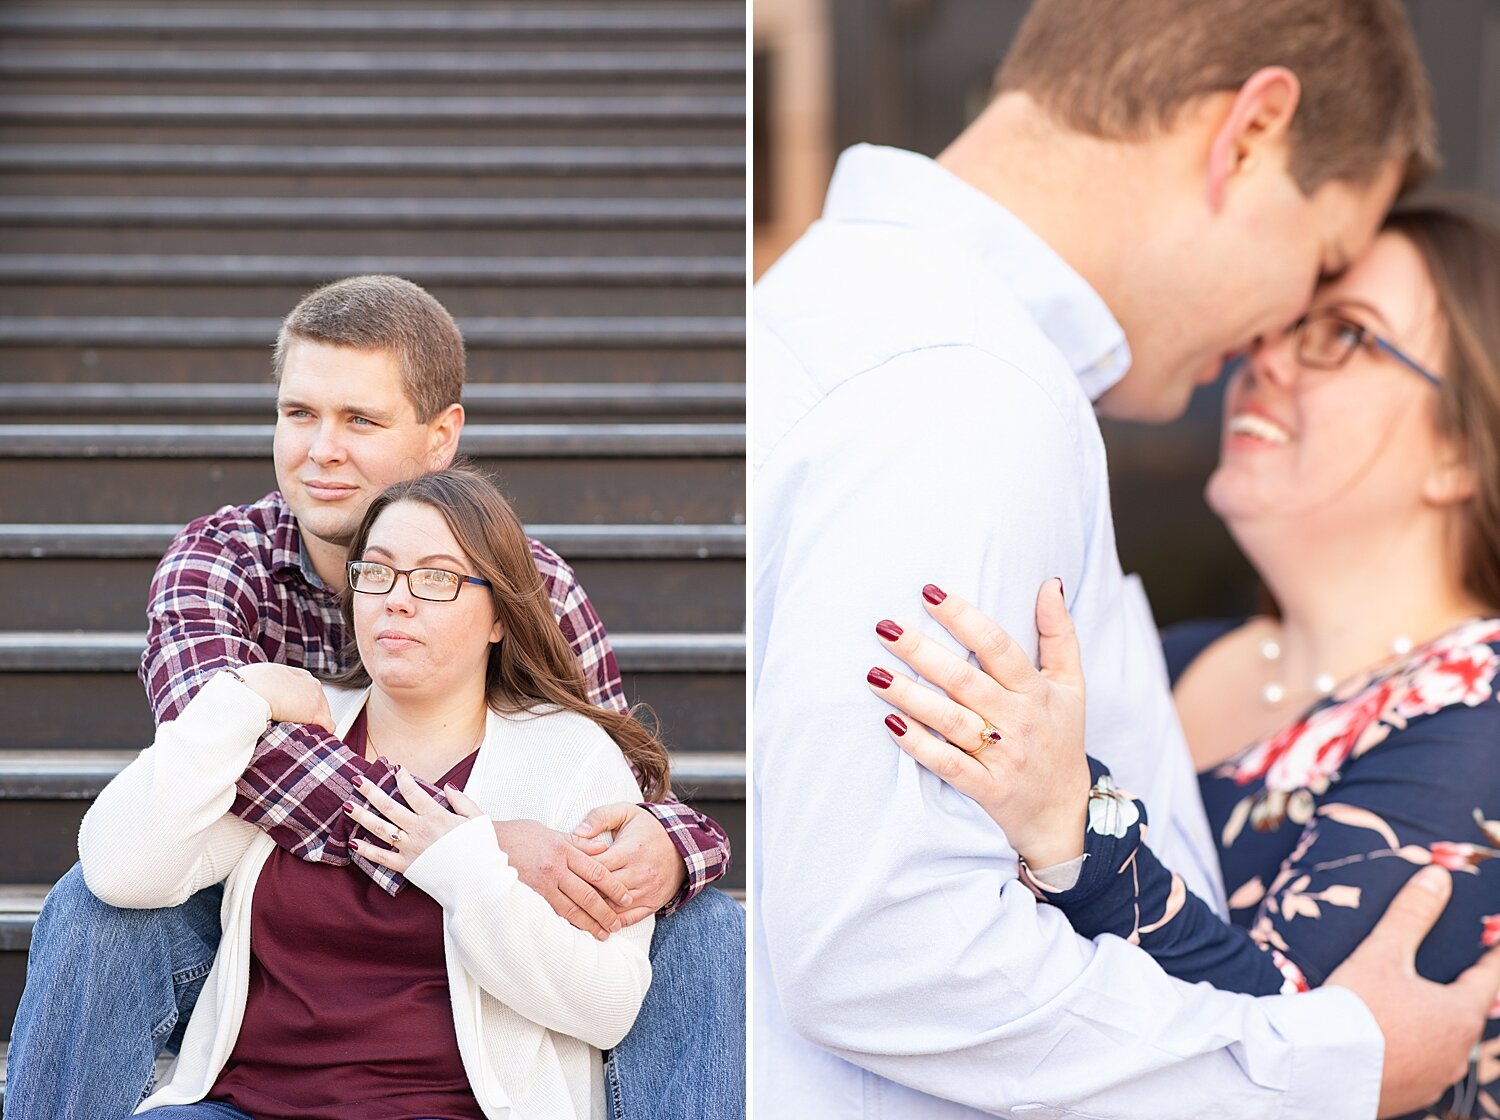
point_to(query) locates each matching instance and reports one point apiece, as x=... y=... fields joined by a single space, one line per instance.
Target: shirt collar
x=288 y=552
x=888 y=185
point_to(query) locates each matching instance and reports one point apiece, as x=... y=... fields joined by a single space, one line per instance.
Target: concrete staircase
x=567 y=177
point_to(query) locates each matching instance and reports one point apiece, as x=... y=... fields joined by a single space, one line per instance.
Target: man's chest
x=303 y=629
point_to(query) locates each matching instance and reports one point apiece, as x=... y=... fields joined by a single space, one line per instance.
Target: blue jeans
x=204 y=1110
x=107 y=989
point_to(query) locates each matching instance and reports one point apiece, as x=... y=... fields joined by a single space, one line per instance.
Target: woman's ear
x=497 y=631
x=1452 y=479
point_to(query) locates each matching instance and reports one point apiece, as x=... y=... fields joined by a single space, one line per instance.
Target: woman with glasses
x=1346 y=740
x=464 y=994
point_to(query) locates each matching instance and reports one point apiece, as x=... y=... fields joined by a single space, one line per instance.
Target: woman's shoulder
x=1183 y=642
x=561 y=728
x=1453 y=673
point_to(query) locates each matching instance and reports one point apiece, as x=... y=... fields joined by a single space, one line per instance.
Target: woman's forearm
x=522 y=953
x=159 y=832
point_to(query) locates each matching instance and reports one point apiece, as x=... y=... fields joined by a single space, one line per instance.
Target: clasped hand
x=408 y=831
x=600 y=887
x=1033 y=780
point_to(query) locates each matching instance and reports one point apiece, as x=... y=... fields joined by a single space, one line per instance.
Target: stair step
x=374 y=159
x=120 y=652
x=386 y=65
x=639 y=577
x=576 y=542
x=19 y=906
x=281 y=109
x=381 y=213
x=533 y=333
x=699 y=709
x=399 y=24
x=253 y=441
x=79 y=775
x=503 y=401
x=225 y=270
x=20 y=903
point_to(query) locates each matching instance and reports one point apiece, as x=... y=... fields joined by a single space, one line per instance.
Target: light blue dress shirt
x=924 y=371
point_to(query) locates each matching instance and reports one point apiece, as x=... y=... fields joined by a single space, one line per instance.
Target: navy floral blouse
x=1318 y=827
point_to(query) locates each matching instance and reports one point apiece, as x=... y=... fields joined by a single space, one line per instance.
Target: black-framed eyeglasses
x=436 y=585
x=1325 y=340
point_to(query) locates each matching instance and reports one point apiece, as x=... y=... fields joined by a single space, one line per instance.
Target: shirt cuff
x=1328 y=1029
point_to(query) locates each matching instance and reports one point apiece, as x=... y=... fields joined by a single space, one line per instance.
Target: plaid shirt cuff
x=702 y=843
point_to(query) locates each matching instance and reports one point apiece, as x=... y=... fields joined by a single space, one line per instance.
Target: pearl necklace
x=1324 y=683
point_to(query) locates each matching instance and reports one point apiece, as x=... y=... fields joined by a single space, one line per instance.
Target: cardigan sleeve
x=513 y=943
x=161 y=830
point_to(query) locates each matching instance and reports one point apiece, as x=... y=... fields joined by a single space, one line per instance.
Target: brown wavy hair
x=1461 y=252
x=533 y=664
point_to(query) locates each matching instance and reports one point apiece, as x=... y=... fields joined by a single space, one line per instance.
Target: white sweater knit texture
x=534 y=1000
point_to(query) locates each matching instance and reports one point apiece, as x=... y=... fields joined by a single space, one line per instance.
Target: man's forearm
x=700 y=841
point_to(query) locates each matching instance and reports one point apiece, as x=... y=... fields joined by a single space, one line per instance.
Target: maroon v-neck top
x=349 y=1015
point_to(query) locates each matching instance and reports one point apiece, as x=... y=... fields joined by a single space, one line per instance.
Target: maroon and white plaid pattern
x=232 y=590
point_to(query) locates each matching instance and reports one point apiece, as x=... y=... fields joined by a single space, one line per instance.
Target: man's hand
x=642 y=855
x=1429 y=1028
x=579 y=887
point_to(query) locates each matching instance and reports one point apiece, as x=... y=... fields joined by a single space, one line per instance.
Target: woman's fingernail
x=354 y=845
x=888 y=630
x=934 y=594
x=879 y=678
x=1060 y=589
x=348 y=806
x=359 y=780
x=896 y=724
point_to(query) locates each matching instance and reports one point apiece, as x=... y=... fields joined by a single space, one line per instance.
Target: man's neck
x=1090 y=199
x=328 y=560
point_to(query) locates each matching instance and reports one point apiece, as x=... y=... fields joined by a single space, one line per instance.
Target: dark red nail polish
x=348 y=806
x=354 y=845
x=934 y=594
x=896 y=724
x=879 y=677
x=888 y=630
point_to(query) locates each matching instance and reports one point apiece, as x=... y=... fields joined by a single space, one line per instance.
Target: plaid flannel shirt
x=234 y=588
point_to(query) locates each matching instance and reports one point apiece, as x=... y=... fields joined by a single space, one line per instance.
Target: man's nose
x=327 y=447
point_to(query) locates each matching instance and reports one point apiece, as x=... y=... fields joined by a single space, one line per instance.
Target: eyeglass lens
x=425 y=583
x=1327 y=341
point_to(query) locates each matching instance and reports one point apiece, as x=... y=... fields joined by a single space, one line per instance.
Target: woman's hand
x=1014 y=735
x=295 y=696
x=409 y=832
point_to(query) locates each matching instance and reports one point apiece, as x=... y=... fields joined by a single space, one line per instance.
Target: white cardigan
x=534 y=999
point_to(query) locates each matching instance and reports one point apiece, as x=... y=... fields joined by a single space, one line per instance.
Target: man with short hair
x=1157 y=184
x=369 y=373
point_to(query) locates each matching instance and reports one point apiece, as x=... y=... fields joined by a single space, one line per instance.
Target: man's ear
x=1256 y=129
x=442 y=439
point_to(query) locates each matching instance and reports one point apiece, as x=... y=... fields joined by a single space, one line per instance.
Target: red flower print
x=1491 y=935
x=1459 y=857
